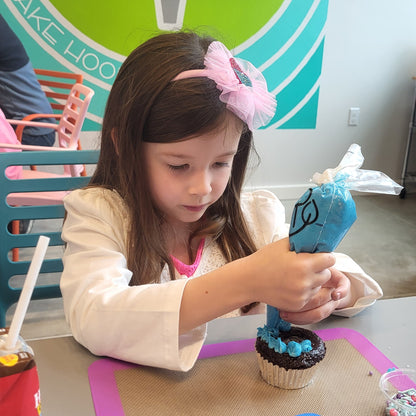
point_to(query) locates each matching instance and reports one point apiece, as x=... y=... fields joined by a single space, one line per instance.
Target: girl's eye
x=221 y=165
x=178 y=167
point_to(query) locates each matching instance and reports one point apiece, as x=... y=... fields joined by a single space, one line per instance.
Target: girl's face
x=187 y=177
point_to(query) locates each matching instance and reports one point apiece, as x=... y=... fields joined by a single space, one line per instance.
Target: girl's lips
x=194 y=208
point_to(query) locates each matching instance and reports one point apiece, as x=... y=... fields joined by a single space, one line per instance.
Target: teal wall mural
x=283 y=38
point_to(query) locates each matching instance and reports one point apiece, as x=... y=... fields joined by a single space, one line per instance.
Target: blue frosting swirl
x=269 y=333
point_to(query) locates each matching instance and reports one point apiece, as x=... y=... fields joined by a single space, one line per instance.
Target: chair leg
x=84 y=171
x=15 y=230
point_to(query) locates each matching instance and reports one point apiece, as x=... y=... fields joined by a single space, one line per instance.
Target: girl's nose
x=200 y=184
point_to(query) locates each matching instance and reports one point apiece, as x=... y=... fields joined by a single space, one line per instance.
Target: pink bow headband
x=243 y=87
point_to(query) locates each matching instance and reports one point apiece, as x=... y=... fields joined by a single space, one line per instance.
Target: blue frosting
x=294 y=349
x=269 y=333
x=321 y=217
x=306 y=345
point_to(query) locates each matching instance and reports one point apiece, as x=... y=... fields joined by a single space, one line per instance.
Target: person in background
x=20 y=91
x=162 y=240
x=21 y=95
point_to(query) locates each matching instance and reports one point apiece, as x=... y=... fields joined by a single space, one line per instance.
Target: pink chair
x=8 y=136
x=69 y=127
x=56 y=85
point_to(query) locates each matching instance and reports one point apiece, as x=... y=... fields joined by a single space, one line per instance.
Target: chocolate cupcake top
x=305 y=360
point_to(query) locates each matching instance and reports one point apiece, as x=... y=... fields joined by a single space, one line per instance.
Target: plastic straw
x=27 y=291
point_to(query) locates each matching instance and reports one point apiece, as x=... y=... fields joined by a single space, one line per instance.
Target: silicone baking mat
x=226 y=381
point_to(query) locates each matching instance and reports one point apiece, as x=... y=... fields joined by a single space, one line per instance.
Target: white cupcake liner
x=286 y=379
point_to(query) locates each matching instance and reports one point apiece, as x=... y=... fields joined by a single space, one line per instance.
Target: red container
x=19 y=381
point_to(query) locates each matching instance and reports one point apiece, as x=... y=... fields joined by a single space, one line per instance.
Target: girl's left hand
x=335 y=294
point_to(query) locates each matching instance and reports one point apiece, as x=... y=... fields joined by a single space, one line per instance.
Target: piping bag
x=324 y=214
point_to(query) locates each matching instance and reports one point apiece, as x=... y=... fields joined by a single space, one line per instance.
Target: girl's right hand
x=285 y=279
x=273 y=275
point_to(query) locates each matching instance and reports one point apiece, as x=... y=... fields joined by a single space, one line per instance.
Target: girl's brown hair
x=144 y=105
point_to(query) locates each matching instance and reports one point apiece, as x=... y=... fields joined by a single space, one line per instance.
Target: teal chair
x=9 y=269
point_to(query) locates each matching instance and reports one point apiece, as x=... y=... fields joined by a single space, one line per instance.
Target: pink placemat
x=105 y=390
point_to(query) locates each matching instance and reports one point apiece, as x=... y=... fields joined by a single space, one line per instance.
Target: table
x=63 y=363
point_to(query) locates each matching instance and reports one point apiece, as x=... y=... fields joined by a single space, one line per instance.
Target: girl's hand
x=334 y=294
x=287 y=280
x=274 y=275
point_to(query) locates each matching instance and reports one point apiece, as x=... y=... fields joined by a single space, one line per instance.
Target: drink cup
x=19 y=382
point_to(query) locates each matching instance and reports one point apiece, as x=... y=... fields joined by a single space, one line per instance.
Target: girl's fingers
x=321 y=279
x=339 y=283
x=322 y=261
x=310 y=316
x=319 y=298
x=319 y=265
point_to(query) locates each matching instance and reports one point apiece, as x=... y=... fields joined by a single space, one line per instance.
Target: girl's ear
x=114 y=139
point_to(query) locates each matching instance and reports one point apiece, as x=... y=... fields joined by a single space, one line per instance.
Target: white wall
x=369 y=60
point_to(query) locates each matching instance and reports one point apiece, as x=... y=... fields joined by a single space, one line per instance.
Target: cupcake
x=287 y=356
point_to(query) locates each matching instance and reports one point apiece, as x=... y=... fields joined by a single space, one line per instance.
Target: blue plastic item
x=321 y=218
x=324 y=214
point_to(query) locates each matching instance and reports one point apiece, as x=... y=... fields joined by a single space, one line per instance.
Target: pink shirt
x=189 y=269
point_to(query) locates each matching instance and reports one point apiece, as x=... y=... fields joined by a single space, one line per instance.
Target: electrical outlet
x=354 y=116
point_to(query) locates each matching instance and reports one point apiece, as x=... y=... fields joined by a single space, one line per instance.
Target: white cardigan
x=140 y=324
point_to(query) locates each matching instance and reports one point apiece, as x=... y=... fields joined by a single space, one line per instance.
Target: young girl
x=161 y=241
